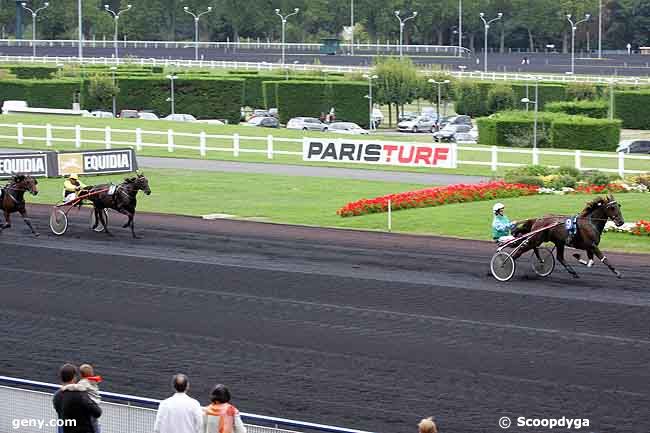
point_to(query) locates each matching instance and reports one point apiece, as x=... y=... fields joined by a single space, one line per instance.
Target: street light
x=612 y=83
x=196 y=28
x=487 y=27
x=536 y=103
x=439 y=83
x=371 y=107
x=116 y=16
x=81 y=34
x=113 y=69
x=402 y=23
x=574 y=27
x=352 y=25
x=284 y=27
x=600 y=29
x=34 y=13
x=460 y=28
x=172 y=78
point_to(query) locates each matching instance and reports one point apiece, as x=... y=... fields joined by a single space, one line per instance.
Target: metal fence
x=29 y=404
x=269 y=146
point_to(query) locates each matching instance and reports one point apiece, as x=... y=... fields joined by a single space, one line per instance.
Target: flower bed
x=437 y=196
x=639 y=228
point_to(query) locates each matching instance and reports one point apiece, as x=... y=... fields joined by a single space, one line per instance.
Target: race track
x=364 y=330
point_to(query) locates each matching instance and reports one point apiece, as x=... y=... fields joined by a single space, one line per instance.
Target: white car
x=211 y=122
x=634 y=146
x=419 y=124
x=463 y=138
x=178 y=117
x=377 y=117
x=102 y=114
x=145 y=115
x=346 y=128
x=446 y=133
x=306 y=124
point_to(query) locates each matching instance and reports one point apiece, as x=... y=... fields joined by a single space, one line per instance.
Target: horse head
x=613 y=210
x=142 y=183
x=26 y=183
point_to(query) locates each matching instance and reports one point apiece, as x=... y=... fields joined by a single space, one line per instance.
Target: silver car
x=178 y=117
x=446 y=133
x=419 y=124
x=306 y=124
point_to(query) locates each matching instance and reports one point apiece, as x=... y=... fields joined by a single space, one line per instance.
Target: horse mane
x=592 y=205
x=129 y=179
x=18 y=178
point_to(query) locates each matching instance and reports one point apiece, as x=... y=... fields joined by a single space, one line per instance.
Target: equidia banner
x=96 y=162
x=439 y=155
x=35 y=164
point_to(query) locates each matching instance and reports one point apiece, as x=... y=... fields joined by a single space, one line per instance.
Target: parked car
x=634 y=146
x=456 y=120
x=13 y=105
x=463 y=138
x=377 y=117
x=306 y=124
x=264 y=122
x=129 y=114
x=146 y=115
x=419 y=124
x=102 y=114
x=474 y=133
x=446 y=133
x=179 y=117
x=211 y=121
x=407 y=115
x=346 y=128
x=429 y=112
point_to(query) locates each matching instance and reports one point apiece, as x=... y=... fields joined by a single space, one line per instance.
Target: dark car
x=456 y=120
x=634 y=146
x=264 y=122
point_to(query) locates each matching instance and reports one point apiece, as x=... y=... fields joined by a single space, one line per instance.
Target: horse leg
x=23 y=214
x=590 y=256
x=560 y=258
x=99 y=216
x=604 y=260
x=97 y=220
x=7 y=223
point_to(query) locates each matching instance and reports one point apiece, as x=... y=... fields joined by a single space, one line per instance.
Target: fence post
x=138 y=139
x=170 y=140
x=269 y=147
x=48 y=135
x=77 y=136
x=390 y=215
x=495 y=158
x=578 y=158
x=19 y=133
x=107 y=137
x=454 y=154
x=235 y=145
x=535 y=156
x=202 y=143
x=621 y=164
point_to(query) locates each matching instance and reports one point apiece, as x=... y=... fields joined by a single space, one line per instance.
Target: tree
x=102 y=89
x=397 y=79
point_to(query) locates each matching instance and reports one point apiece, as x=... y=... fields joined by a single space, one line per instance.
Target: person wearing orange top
x=221 y=416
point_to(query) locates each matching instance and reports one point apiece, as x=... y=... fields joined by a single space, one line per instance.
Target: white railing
x=29 y=400
x=267 y=145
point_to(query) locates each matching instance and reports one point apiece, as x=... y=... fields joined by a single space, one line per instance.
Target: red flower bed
x=437 y=196
x=599 y=189
x=642 y=228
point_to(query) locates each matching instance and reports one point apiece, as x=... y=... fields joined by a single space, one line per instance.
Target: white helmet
x=497 y=207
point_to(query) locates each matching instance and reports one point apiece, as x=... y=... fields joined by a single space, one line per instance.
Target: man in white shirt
x=179 y=413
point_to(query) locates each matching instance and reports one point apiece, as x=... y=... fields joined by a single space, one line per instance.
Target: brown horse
x=590 y=225
x=12 y=199
x=123 y=199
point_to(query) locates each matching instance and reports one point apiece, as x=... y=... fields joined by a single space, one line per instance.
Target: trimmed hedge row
x=633 y=108
x=40 y=93
x=595 y=109
x=559 y=130
x=33 y=72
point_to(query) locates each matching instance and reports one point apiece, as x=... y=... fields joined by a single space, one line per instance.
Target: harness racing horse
x=590 y=225
x=12 y=199
x=122 y=200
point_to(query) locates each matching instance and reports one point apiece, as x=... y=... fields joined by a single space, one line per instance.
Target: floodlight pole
x=196 y=28
x=34 y=14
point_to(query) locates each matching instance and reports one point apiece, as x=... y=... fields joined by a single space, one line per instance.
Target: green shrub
x=526 y=180
x=569 y=171
x=599 y=178
x=500 y=98
x=33 y=72
x=581 y=91
x=633 y=108
x=547 y=92
x=563 y=181
x=506 y=128
x=598 y=109
x=576 y=132
x=468 y=98
x=40 y=93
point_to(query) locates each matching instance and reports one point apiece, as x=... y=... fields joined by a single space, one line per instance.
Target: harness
x=571 y=224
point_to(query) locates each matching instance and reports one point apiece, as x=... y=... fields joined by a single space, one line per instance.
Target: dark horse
x=12 y=199
x=123 y=199
x=590 y=225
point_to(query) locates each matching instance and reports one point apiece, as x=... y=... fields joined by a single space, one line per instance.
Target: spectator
x=221 y=416
x=427 y=426
x=89 y=383
x=74 y=405
x=179 y=413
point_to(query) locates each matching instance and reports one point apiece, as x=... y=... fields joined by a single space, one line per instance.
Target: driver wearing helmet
x=501 y=225
x=71 y=187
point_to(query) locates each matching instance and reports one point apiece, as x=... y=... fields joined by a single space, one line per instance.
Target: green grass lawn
x=95 y=139
x=314 y=201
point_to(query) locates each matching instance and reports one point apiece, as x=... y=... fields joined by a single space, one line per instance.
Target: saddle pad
x=112 y=189
x=571 y=225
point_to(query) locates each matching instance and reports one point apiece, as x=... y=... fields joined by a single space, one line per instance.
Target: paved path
x=296 y=170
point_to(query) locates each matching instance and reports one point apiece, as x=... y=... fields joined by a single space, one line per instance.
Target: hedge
x=557 y=130
x=202 y=97
x=595 y=109
x=33 y=72
x=40 y=93
x=633 y=108
x=313 y=98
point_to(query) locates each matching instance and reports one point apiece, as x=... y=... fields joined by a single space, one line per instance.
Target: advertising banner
x=96 y=162
x=438 y=155
x=34 y=164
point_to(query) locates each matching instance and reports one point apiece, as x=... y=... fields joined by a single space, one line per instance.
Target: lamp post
x=402 y=23
x=370 y=107
x=113 y=69
x=600 y=29
x=574 y=27
x=196 y=28
x=460 y=28
x=439 y=83
x=34 y=14
x=284 y=27
x=172 y=78
x=612 y=83
x=352 y=26
x=486 y=24
x=116 y=18
x=81 y=34
x=536 y=104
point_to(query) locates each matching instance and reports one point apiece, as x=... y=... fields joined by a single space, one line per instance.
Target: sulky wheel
x=502 y=266
x=58 y=221
x=544 y=264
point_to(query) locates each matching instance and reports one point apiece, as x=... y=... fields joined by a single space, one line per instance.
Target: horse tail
x=523 y=227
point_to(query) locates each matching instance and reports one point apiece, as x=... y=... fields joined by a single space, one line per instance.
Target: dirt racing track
x=363 y=330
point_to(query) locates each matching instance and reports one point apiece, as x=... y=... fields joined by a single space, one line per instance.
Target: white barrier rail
x=203 y=143
x=30 y=400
